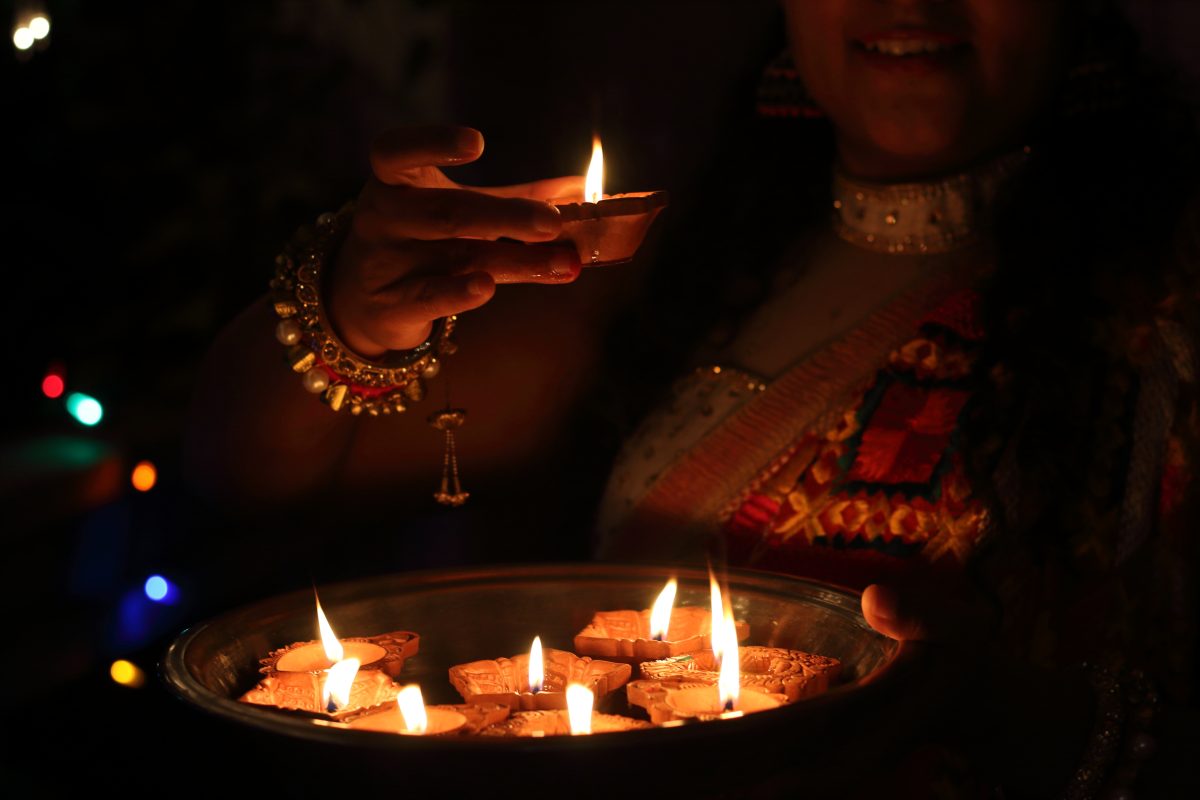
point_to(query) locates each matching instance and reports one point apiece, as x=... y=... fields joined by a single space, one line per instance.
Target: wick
x=728 y=705
x=331 y=706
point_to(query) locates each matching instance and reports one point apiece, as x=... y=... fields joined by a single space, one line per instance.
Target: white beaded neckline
x=923 y=217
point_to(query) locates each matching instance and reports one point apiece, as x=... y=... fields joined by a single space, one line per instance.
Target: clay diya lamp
x=607 y=229
x=577 y=720
x=295 y=676
x=654 y=633
x=791 y=673
x=409 y=716
x=680 y=702
x=676 y=699
x=536 y=681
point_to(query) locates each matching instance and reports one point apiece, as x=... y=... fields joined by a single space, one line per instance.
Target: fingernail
x=546 y=219
x=468 y=140
x=479 y=285
x=564 y=265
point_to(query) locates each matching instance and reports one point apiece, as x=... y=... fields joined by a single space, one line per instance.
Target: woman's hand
x=422 y=246
x=948 y=611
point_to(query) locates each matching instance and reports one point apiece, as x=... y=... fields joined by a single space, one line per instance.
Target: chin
x=919 y=145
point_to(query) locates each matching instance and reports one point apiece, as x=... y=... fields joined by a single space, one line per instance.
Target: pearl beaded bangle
x=327 y=366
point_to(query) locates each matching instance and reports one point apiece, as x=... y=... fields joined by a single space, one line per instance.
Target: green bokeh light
x=85 y=408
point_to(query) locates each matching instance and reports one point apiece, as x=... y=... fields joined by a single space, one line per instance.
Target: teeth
x=904 y=47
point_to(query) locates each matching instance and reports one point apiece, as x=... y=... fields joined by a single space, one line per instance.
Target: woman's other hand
x=926 y=610
x=423 y=247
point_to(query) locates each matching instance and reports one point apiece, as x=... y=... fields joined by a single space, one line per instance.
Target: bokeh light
x=85 y=408
x=39 y=26
x=127 y=673
x=144 y=476
x=157 y=588
x=23 y=38
x=53 y=386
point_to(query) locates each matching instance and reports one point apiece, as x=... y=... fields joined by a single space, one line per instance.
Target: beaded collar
x=925 y=217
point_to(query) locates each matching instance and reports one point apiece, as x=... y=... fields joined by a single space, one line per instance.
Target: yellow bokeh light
x=22 y=38
x=127 y=673
x=144 y=476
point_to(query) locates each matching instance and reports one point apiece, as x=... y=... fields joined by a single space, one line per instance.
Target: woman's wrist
x=328 y=366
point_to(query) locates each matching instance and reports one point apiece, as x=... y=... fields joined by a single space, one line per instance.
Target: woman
x=971 y=397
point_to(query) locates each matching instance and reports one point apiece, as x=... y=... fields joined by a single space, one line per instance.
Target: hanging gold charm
x=450 y=493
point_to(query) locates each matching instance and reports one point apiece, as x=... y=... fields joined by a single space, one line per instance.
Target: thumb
x=882 y=608
x=929 y=610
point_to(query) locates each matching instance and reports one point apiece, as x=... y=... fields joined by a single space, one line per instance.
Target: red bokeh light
x=52 y=386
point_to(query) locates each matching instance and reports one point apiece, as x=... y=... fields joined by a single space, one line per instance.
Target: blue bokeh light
x=157 y=588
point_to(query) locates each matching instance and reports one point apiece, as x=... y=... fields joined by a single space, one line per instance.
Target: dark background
x=158 y=155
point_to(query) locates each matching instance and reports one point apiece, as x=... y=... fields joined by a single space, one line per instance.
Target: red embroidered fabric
x=886 y=485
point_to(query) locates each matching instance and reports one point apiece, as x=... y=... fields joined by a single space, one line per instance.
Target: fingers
x=569 y=187
x=409 y=212
x=403 y=288
x=401 y=317
x=427 y=299
x=505 y=262
x=395 y=152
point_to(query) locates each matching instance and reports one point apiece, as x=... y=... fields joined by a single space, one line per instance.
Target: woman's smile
x=921 y=87
x=911 y=50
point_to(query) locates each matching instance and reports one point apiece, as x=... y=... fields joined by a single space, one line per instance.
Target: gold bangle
x=330 y=368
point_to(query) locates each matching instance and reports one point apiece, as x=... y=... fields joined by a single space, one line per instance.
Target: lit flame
x=536 y=668
x=336 y=692
x=593 y=186
x=717 y=612
x=729 y=681
x=660 y=615
x=579 y=708
x=412 y=709
x=333 y=648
